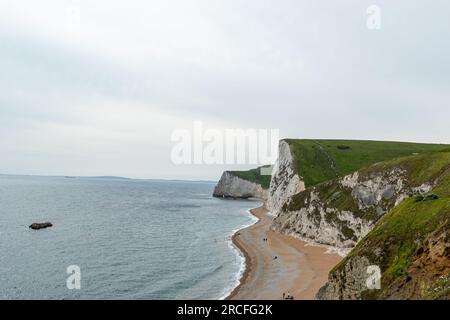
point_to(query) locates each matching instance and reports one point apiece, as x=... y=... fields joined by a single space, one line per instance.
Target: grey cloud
x=310 y=68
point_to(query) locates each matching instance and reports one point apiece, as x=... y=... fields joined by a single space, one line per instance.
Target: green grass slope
x=411 y=243
x=254 y=175
x=322 y=160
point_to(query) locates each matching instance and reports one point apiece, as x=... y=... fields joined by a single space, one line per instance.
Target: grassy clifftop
x=254 y=175
x=322 y=160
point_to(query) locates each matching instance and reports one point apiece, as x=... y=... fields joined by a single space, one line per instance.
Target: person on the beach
x=284 y=296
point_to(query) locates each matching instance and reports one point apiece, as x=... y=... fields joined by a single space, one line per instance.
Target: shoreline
x=299 y=268
x=240 y=254
x=247 y=261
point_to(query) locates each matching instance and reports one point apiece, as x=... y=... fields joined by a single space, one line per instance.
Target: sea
x=115 y=238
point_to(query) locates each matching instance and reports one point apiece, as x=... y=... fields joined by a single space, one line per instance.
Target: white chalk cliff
x=232 y=186
x=341 y=212
x=285 y=181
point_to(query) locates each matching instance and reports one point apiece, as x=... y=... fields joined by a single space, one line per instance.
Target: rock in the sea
x=37 y=226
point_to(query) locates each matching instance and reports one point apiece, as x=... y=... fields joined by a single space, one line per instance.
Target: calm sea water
x=131 y=239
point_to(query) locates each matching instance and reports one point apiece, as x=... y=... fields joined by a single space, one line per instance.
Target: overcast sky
x=100 y=93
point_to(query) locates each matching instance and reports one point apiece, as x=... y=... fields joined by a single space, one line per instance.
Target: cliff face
x=341 y=212
x=312 y=205
x=285 y=181
x=232 y=186
x=410 y=244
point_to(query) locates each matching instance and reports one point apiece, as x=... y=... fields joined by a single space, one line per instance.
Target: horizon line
x=106 y=177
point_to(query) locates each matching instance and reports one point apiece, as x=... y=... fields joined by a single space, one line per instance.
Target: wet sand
x=300 y=269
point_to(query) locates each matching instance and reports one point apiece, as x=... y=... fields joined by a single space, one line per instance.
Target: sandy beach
x=300 y=269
